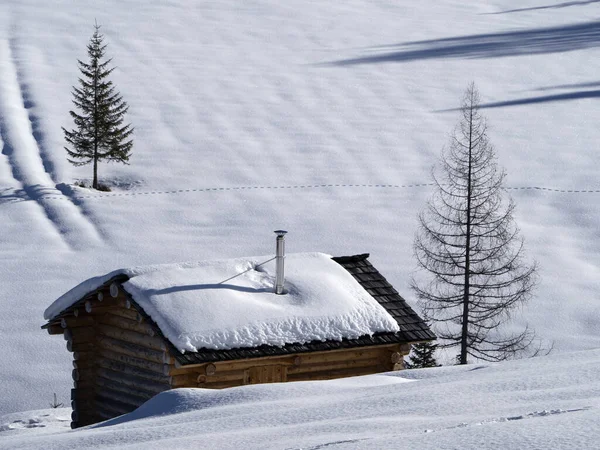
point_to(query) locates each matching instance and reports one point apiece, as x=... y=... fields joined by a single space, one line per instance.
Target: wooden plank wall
x=119 y=362
x=309 y=366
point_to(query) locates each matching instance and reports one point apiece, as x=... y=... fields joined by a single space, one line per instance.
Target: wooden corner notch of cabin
x=120 y=357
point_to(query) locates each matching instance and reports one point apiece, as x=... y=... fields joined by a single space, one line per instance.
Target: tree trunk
x=95 y=182
x=465 y=316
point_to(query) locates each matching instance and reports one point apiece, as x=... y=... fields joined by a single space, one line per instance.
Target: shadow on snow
x=556 y=6
x=578 y=95
x=513 y=43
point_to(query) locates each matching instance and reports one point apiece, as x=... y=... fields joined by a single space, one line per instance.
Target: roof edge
x=79 y=295
x=349 y=259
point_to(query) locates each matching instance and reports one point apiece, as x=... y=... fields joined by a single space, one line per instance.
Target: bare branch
x=469 y=248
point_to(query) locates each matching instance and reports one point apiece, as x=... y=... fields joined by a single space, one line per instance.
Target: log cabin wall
x=324 y=365
x=120 y=360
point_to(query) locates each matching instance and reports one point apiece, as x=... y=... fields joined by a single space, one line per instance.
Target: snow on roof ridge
x=91 y=284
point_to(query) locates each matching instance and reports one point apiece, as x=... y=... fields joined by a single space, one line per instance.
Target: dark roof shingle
x=412 y=327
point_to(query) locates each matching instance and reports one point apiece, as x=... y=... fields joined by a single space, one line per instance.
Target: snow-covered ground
x=548 y=402
x=322 y=118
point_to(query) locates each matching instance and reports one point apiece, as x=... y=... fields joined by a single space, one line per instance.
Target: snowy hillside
x=550 y=402
x=321 y=118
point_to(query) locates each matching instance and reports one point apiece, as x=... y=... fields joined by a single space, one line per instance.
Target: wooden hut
x=124 y=352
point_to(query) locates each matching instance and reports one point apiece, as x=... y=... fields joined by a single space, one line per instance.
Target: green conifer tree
x=422 y=355
x=99 y=132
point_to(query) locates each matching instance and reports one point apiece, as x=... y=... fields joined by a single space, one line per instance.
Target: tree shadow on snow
x=13 y=196
x=570 y=86
x=513 y=43
x=578 y=95
x=556 y=6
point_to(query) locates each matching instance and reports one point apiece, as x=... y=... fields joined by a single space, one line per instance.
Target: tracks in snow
x=28 y=168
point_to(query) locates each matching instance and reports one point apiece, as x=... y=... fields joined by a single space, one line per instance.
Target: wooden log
x=106 y=300
x=227 y=366
x=240 y=364
x=55 y=329
x=82 y=356
x=123 y=297
x=81 y=334
x=131 y=314
x=127 y=324
x=74 y=322
x=294 y=359
x=117 y=396
x=68 y=334
x=133 y=370
x=186 y=380
x=154 y=343
x=221 y=384
x=114 y=290
x=84 y=364
x=138 y=351
x=332 y=374
x=232 y=375
x=341 y=365
x=83 y=404
x=80 y=346
x=182 y=370
x=105 y=383
x=129 y=398
x=84 y=384
x=210 y=369
x=104 y=415
x=132 y=381
x=98 y=309
x=100 y=296
x=164 y=369
x=77 y=394
x=83 y=417
x=118 y=407
x=342 y=355
x=82 y=374
x=265 y=374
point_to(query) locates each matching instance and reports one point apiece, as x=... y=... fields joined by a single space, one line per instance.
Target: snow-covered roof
x=205 y=305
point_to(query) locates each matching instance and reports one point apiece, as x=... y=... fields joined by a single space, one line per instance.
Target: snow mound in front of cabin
x=227 y=304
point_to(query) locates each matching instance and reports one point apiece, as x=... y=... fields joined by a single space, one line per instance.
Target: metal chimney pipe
x=279 y=258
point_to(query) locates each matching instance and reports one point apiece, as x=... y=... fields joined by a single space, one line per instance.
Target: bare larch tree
x=469 y=249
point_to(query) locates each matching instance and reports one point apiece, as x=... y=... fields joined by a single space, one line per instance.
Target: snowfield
x=547 y=402
x=321 y=118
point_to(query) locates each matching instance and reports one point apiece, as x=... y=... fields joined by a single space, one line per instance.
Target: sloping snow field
x=550 y=402
x=321 y=118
